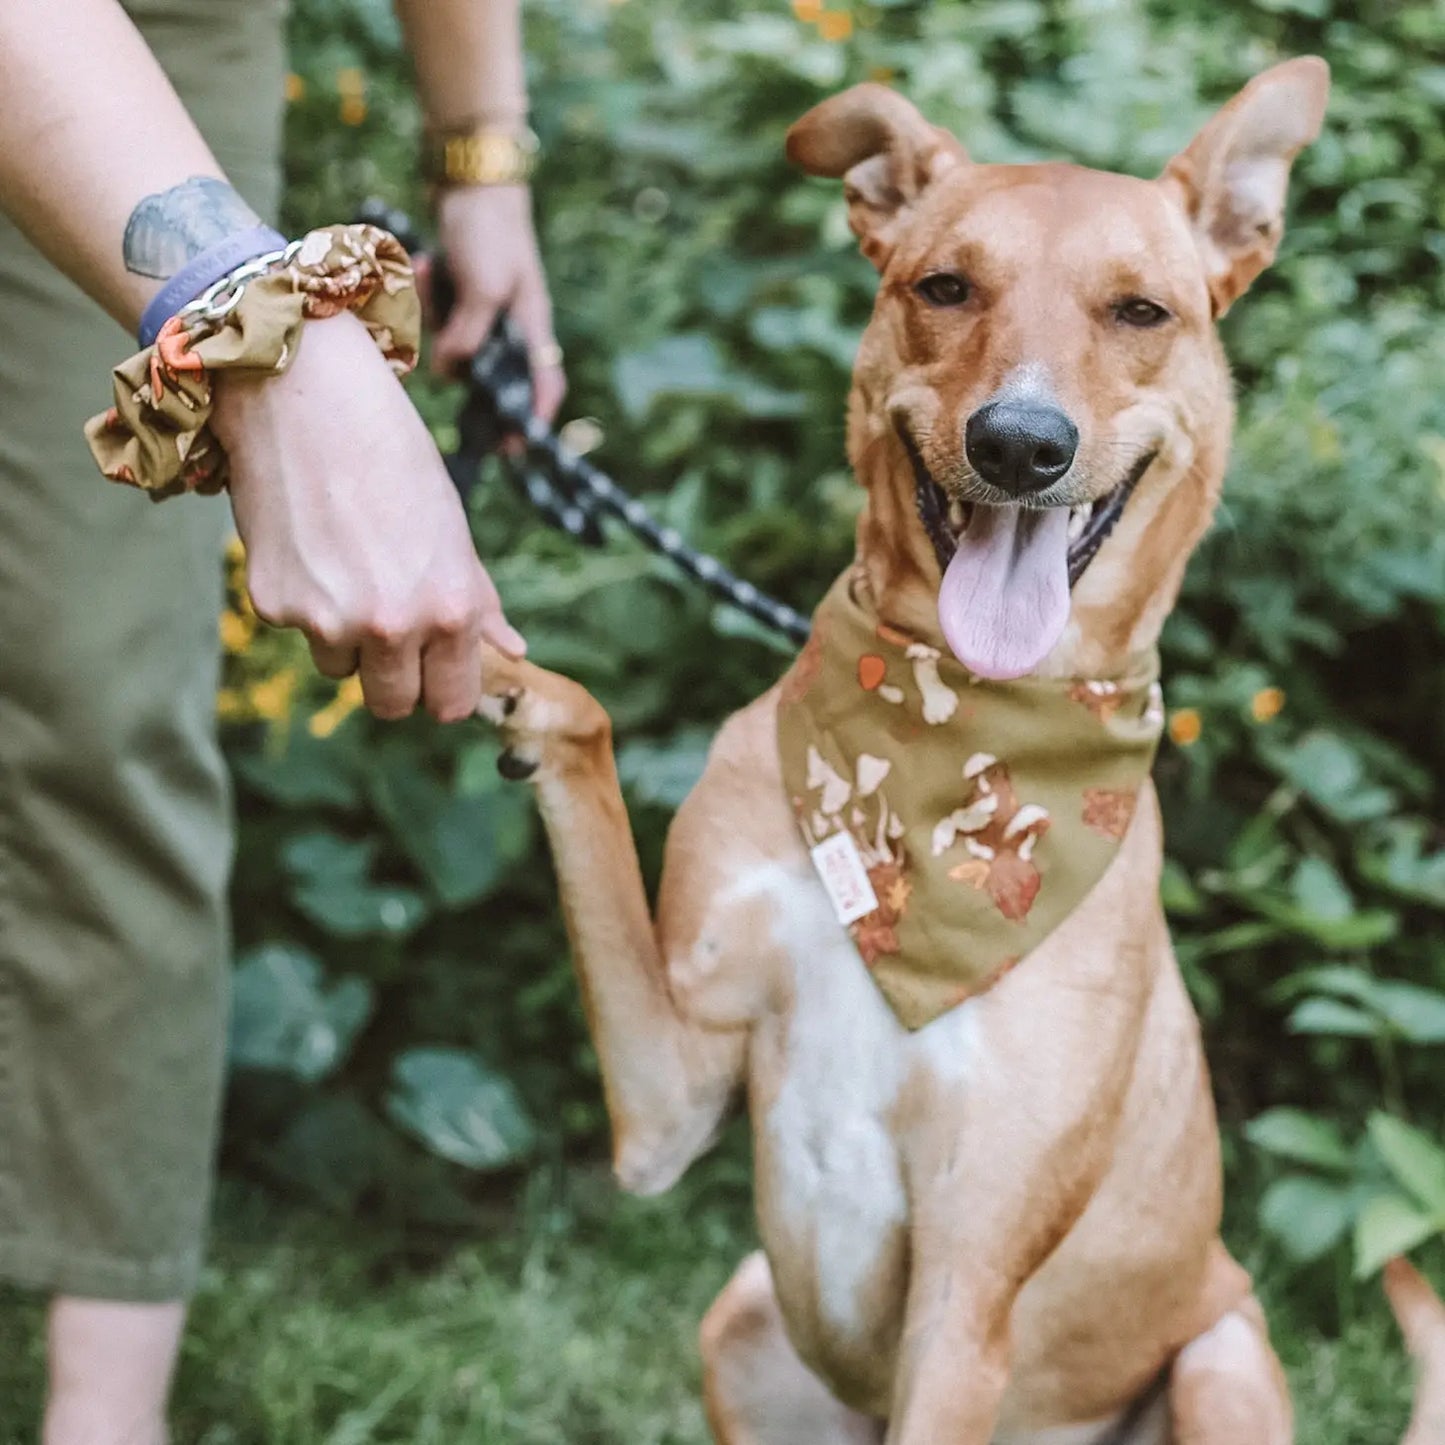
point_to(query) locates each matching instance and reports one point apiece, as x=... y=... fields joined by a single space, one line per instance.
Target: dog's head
x=1041 y=406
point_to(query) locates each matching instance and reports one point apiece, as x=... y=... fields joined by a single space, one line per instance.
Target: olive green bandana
x=955 y=822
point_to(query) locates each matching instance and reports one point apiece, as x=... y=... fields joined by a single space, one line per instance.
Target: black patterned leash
x=567 y=490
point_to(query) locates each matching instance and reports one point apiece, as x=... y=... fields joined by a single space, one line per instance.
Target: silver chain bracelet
x=221 y=298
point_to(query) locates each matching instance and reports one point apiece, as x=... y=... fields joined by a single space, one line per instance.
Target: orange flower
x=295 y=88
x=353 y=110
x=1267 y=704
x=835 y=25
x=808 y=11
x=1185 y=727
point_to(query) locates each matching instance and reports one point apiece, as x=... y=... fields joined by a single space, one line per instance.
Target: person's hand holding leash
x=354 y=533
x=487 y=236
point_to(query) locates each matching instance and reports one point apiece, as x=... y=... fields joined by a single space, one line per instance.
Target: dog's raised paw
x=537 y=713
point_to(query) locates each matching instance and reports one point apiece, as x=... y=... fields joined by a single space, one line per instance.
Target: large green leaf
x=459 y=841
x=285 y=1020
x=354 y=908
x=1415 y=1160
x=1331 y=773
x=1304 y=1138
x=459 y=1109
x=1309 y=1217
x=307 y=773
x=331 y=885
x=663 y=773
x=1388 y=1226
x=1330 y=1016
x=1398 y=858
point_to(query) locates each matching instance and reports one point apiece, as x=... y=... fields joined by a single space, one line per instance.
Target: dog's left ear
x=884 y=150
x=1231 y=180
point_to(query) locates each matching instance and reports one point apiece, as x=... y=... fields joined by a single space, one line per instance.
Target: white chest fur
x=834 y=1163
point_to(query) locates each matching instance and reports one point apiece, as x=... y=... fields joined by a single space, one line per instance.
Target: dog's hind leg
x=667 y=1080
x=756 y=1389
x=1227 y=1387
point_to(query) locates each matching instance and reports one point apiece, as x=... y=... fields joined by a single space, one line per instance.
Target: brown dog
x=1002 y=1226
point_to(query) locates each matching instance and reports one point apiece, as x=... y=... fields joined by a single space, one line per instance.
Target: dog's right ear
x=884 y=150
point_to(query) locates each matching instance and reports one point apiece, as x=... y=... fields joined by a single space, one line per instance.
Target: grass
x=571 y=1317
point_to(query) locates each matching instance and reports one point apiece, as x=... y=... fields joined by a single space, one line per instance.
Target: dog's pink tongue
x=1004 y=602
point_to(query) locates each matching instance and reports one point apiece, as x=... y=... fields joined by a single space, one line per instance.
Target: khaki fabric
x=955 y=822
x=115 y=839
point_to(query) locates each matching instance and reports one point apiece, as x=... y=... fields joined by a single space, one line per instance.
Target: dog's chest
x=830 y=1072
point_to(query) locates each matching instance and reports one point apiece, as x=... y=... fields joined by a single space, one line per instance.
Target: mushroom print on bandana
x=955 y=822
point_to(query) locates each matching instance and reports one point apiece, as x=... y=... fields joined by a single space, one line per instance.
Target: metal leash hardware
x=567 y=490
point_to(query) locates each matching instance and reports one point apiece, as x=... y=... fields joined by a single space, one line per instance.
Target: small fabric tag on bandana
x=840 y=866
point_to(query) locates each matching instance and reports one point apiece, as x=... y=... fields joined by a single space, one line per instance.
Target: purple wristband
x=205 y=270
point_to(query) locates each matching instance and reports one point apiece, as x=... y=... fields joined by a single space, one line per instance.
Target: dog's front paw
x=542 y=716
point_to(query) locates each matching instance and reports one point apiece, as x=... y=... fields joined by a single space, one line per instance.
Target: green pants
x=115 y=837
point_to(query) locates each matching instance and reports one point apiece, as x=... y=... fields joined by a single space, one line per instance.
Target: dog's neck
x=1120 y=603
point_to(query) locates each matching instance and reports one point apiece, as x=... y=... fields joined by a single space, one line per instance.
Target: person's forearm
x=468 y=57
x=100 y=165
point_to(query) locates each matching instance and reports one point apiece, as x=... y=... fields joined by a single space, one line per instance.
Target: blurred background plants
x=406 y=1024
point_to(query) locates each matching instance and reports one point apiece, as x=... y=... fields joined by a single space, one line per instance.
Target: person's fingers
x=503 y=636
x=391 y=676
x=451 y=680
x=532 y=308
x=494 y=625
x=550 y=386
x=460 y=339
x=336 y=660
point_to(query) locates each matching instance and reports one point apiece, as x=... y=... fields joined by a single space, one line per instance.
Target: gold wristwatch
x=480 y=155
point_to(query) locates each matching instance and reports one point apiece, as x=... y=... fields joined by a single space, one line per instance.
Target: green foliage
x=710 y=300
x=576 y=1322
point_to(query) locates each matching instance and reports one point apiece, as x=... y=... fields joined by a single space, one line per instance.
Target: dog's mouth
x=1008 y=571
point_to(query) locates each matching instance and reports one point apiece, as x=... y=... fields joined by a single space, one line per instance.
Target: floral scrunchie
x=157 y=436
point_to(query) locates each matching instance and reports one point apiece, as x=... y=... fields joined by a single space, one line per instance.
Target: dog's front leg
x=667 y=1081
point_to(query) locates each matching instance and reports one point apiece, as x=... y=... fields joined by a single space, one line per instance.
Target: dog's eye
x=1138 y=311
x=943 y=288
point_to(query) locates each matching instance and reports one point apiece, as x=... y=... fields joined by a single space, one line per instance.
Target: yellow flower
x=835 y=25
x=883 y=74
x=237 y=629
x=350 y=81
x=271 y=698
x=295 y=88
x=1267 y=704
x=353 y=110
x=1185 y=726
x=325 y=721
x=808 y=11
x=230 y=705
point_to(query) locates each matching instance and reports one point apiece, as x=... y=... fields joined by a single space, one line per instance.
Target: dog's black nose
x=1020 y=446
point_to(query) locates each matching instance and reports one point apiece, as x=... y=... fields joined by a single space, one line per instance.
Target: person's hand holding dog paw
x=353 y=530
